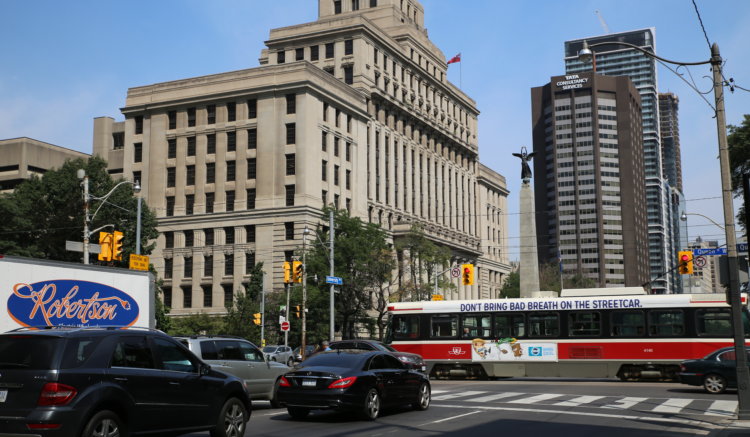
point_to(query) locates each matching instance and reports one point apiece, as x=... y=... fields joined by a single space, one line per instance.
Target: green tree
x=512 y=285
x=738 y=141
x=239 y=318
x=419 y=259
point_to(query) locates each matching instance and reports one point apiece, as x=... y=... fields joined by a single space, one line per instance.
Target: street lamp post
x=733 y=297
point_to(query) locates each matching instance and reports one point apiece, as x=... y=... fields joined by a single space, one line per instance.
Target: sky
x=66 y=62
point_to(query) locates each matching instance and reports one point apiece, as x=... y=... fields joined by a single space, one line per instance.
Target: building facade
x=353 y=110
x=618 y=60
x=589 y=178
x=23 y=158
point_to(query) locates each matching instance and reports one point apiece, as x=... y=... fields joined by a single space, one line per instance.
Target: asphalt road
x=551 y=407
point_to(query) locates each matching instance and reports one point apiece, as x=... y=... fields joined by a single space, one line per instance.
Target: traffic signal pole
x=286 y=318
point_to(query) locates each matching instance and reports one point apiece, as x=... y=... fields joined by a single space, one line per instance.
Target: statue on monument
x=525 y=168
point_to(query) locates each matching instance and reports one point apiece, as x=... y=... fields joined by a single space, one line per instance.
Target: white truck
x=37 y=293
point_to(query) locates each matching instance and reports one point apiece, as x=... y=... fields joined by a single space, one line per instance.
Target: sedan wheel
x=423 y=397
x=232 y=420
x=715 y=384
x=371 y=409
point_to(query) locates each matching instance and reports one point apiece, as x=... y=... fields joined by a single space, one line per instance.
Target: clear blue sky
x=66 y=62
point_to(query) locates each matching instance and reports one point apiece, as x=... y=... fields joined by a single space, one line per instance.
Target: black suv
x=72 y=382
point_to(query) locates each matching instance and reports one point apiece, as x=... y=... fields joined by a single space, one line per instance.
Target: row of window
x=231 y=171
x=208 y=266
x=289 y=192
x=187 y=296
x=230 y=113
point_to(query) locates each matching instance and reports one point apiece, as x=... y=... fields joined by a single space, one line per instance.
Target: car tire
x=275 y=396
x=298 y=413
x=424 y=396
x=105 y=424
x=714 y=384
x=232 y=419
x=371 y=407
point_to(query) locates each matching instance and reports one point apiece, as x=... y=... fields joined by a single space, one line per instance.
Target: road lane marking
x=625 y=403
x=580 y=400
x=462 y=394
x=672 y=406
x=722 y=408
x=495 y=397
x=450 y=418
x=535 y=399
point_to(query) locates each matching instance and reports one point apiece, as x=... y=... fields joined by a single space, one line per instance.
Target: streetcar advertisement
x=511 y=349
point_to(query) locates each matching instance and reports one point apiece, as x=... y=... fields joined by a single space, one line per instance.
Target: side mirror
x=204 y=369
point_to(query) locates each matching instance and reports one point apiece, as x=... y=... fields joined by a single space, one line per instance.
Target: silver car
x=279 y=353
x=241 y=358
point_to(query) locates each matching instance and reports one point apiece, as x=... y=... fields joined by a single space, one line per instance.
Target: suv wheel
x=232 y=420
x=105 y=424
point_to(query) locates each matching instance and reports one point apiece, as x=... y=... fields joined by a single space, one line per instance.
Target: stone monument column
x=529 y=268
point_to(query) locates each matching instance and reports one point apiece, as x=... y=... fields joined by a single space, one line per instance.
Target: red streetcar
x=598 y=333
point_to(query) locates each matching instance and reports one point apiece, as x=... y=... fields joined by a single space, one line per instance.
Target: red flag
x=456 y=58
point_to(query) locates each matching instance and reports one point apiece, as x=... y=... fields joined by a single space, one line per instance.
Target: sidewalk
x=738 y=428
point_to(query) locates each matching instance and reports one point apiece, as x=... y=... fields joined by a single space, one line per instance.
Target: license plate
x=309 y=383
x=3 y=395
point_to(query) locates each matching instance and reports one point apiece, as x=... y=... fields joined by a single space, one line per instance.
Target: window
x=714 y=322
x=210 y=172
x=231 y=141
x=208 y=298
x=171 y=172
x=324 y=171
x=252 y=171
x=289 y=195
x=167 y=275
x=280 y=57
x=170 y=206
x=325 y=111
x=231 y=170
x=336 y=201
x=172 y=116
x=211 y=114
x=544 y=325
x=208 y=235
x=188 y=267
x=584 y=324
x=290 y=164
x=230 y=201
x=338 y=116
x=229 y=235
x=405 y=327
x=137 y=177
x=291 y=103
x=174 y=358
x=191 y=146
x=348 y=151
x=191 y=117
x=348 y=75
x=250 y=198
x=324 y=141
x=335 y=175
x=348 y=122
x=228 y=294
x=132 y=351
x=229 y=265
x=324 y=196
x=138 y=152
x=348 y=47
x=628 y=323
x=252 y=138
x=252 y=108
x=138 y=124
x=336 y=6
x=249 y=262
x=511 y=325
x=211 y=143
x=289 y=230
x=348 y=179
x=476 y=325
x=355 y=5
x=299 y=54
x=443 y=325
x=231 y=111
x=373 y=3
x=314 y=53
x=329 y=50
x=189 y=204
x=169 y=240
x=190 y=175
x=666 y=323
x=250 y=233
x=335 y=146
x=291 y=133
x=172 y=148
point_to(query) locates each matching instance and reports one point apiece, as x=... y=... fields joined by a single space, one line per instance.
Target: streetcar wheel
x=423 y=398
x=715 y=384
x=371 y=408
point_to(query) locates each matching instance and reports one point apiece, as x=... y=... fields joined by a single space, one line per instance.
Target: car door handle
x=174 y=383
x=121 y=379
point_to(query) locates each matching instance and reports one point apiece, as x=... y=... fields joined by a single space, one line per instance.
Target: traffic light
x=256 y=319
x=685 y=258
x=467 y=274
x=105 y=242
x=297 y=271
x=287 y=272
x=298 y=311
x=117 y=245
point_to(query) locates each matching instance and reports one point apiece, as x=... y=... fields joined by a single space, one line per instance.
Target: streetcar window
x=715 y=322
x=444 y=325
x=628 y=323
x=666 y=323
x=584 y=324
x=510 y=325
x=544 y=325
x=477 y=325
x=405 y=327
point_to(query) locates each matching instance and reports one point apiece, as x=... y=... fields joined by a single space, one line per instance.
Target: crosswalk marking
x=722 y=408
x=495 y=397
x=462 y=394
x=625 y=403
x=580 y=400
x=672 y=406
x=535 y=399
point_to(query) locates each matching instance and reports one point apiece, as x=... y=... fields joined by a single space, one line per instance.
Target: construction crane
x=603 y=23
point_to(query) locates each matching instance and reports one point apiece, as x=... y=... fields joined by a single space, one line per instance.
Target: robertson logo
x=71 y=303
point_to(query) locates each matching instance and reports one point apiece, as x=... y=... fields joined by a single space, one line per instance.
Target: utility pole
x=82 y=175
x=304 y=294
x=333 y=287
x=286 y=317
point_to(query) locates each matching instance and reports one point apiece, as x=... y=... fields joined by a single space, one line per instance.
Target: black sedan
x=716 y=371
x=353 y=380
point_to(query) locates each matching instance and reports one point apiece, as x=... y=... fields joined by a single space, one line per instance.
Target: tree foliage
x=238 y=320
x=738 y=141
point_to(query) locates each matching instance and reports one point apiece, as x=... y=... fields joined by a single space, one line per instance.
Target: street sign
x=77 y=246
x=455 y=272
x=710 y=252
x=741 y=247
x=284 y=326
x=700 y=261
x=335 y=280
x=138 y=262
x=437 y=297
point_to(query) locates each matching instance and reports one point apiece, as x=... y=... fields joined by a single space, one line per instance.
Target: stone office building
x=353 y=110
